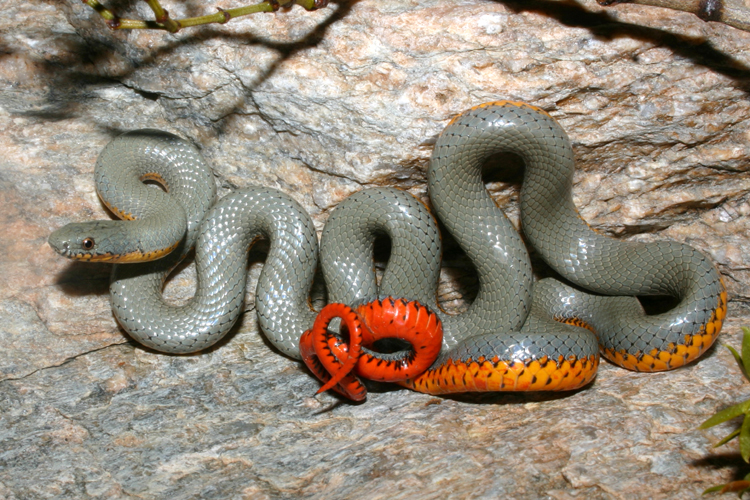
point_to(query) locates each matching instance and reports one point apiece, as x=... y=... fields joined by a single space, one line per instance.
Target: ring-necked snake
x=509 y=339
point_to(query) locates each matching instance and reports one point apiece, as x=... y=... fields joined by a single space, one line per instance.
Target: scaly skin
x=184 y=217
x=340 y=364
x=513 y=337
x=592 y=261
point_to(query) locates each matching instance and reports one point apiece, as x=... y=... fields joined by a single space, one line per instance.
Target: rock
x=320 y=105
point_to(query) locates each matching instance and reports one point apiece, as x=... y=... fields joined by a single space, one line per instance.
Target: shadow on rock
x=725 y=461
x=604 y=26
x=87 y=60
x=79 y=279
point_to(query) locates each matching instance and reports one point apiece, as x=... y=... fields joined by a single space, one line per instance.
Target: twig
x=164 y=22
x=162 y=16
x=720 y=11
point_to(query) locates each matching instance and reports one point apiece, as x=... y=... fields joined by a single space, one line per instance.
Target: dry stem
x=164 y=22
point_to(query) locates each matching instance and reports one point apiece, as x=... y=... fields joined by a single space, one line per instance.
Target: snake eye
x=87 y=243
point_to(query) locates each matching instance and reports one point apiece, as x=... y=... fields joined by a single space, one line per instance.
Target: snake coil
x=516 y=335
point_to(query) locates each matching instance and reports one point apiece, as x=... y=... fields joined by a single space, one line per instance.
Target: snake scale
x=514 y=335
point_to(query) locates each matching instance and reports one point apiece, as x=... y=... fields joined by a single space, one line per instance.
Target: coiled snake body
x=535 y=357
x=222 y=235
x=509 y=339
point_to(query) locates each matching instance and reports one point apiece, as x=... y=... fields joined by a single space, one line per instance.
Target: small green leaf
x=745 y=439
x=734 y=486
x=713 y=489
x=728 y=438
x=746 y=351
x=738 y=358
x=726 y=414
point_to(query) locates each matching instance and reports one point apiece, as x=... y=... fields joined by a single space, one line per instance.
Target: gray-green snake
x=512 y=331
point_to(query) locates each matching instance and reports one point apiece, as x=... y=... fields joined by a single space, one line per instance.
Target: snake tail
x=332 y=360
x=318 y=348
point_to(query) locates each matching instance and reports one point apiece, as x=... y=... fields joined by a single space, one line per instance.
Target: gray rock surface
x=321 y=105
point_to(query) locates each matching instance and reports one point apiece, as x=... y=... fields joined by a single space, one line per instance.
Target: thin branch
x=720 y=11
x=162 y=16
x=164 y=22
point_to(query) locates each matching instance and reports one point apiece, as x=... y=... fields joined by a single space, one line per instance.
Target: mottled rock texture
x=321 y=105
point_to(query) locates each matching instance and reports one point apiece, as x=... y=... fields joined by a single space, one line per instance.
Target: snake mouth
x=91 y=257
x=65 y=249
x=61 y=247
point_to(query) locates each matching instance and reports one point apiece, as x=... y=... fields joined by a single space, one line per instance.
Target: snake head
x=110 y=241
x=86 y=241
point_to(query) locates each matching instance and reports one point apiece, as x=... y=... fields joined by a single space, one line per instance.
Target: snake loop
x=222 y=235
x=325 y=356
